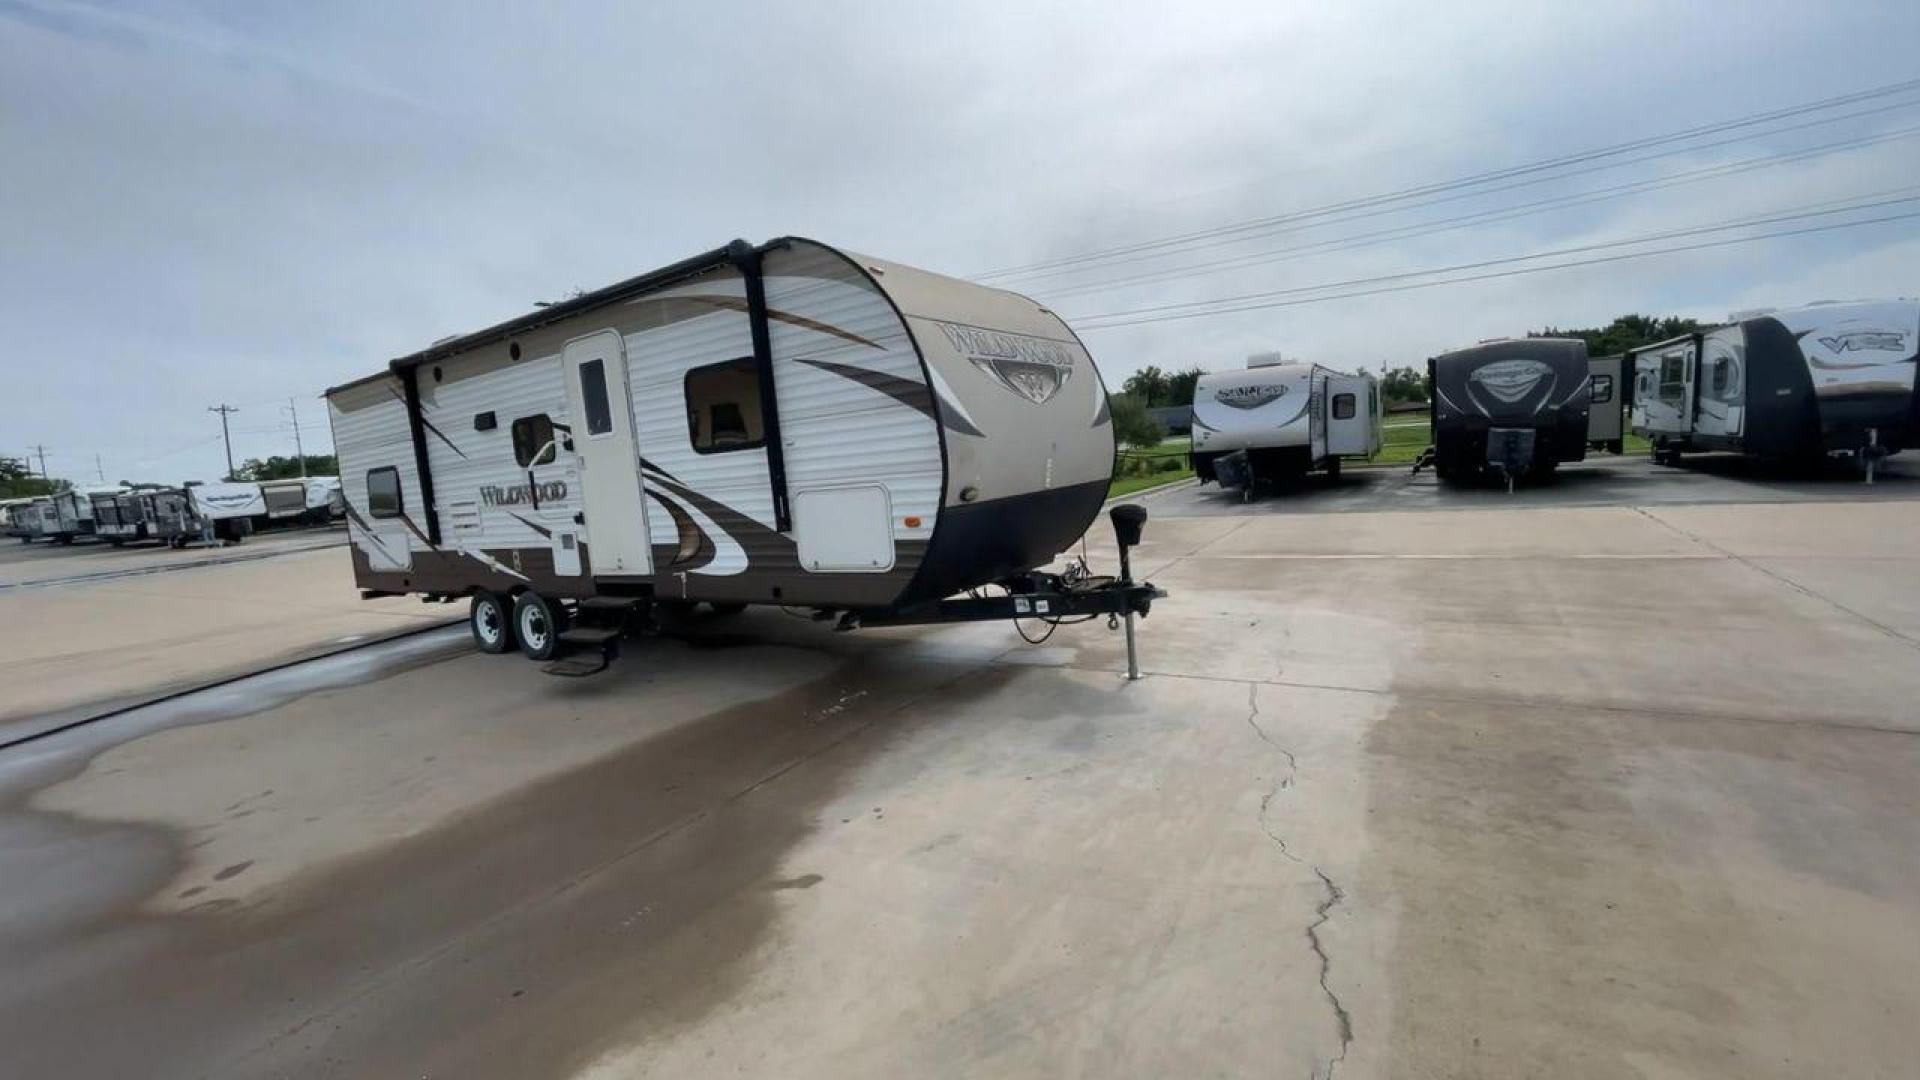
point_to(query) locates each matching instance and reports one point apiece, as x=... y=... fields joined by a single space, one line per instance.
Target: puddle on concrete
x=611 y=901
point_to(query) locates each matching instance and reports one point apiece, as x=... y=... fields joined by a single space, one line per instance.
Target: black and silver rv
x=1829 y=380
x=1517 y=407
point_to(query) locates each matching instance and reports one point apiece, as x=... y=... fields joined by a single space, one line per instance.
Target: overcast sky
x=245 y=203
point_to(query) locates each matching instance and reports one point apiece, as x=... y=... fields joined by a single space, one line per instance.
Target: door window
x=1602 y=389
x=383 y=492
x=593 y=395
x=723 y=406
x=1343 y=406
x=533 y=440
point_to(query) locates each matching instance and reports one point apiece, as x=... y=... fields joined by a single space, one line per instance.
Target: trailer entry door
x=611 y=493
x=1351 y=416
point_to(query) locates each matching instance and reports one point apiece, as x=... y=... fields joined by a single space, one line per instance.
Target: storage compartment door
x=844 y=530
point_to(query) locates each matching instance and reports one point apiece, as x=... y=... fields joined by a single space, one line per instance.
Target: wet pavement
x=1569 y=791
x=42 y=564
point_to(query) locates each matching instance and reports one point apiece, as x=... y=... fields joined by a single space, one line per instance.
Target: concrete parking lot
x=91 y=627
x=1601 y=480
x=1534 y=789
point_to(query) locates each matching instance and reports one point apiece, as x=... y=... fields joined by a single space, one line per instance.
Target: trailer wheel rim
x=488 y=622
x=534 y=628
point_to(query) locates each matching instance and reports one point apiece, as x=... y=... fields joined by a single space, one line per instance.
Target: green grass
x=1126 y=482
x=1399 y=446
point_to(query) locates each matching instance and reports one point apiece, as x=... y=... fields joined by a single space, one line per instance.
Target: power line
x=1344 y=216
x=1729 y=242
x=1419 y=229
x=1474 y=180
x=1795 y=214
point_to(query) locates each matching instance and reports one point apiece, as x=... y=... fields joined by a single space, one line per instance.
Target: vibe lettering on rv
x=1877 y=340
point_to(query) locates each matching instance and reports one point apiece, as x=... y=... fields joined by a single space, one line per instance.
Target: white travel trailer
x=73 y=512
x=1276 y=421
x=120 y=516
x=785 y=424
x=13 y=512
x=325 y=499
x=1827 y=380
x=31 y=519
x=227 y=509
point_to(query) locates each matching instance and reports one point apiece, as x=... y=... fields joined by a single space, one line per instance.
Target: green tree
x=1131 y=424
x=18 y=482
x=286 y=468
x=1403 y=384
x=1148 y=385
x=1625 y=332
x=1180 y=387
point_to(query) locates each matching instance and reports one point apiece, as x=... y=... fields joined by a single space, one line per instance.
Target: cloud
x=208 y=203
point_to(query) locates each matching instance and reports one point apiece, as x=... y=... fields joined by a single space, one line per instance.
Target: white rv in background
x=29 y=519
x=1272 y=422
x=326 y=500
x=120 y=516
x=73 y=512
x=1805 y=384
x=228 y=507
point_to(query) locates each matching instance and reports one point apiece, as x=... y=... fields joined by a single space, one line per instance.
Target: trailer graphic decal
x=1248 y=397
x=1034 y=368
x=1509 y=380
x=515 y=494
x=1877 y=340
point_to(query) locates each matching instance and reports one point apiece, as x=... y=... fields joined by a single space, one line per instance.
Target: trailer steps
x=597 y=647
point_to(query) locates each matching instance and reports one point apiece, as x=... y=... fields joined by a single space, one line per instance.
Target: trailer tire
x=1333 y=469
x=491 y=620
x=537 y=625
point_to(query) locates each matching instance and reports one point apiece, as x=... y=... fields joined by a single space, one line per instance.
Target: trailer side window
x=1343 y=406
x=533 y=440
x=723 y=406
x=1673 y=377
x=1602 y=389
x=383 y=492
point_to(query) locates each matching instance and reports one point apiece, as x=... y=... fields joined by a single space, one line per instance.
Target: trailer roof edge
x=564 y=309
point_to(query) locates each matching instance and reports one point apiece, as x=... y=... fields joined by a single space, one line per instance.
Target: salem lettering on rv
x=495 y=495
x=1248 y=397
x=1031 y=367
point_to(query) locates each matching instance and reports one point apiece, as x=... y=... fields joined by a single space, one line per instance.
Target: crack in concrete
x=1343 y=1020
x=1340 y=1014
x=1281 y=783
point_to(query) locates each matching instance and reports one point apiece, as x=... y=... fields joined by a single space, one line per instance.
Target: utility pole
x=298 y=451
x=99 y=469
x=224 y=410
x=42 y=451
